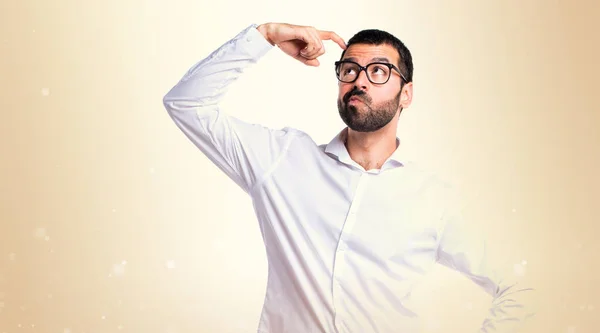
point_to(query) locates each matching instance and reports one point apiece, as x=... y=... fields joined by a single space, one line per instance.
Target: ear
x=406 y=95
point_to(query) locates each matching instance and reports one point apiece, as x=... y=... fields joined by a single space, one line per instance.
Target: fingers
x=309 y=62
x=330 y=35
x=313 y=50
x=314 y=46
x=314 y=40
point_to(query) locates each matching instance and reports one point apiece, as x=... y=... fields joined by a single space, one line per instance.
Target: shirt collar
x=337 y=148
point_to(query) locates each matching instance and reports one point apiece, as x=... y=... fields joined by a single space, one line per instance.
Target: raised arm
x=245 y=152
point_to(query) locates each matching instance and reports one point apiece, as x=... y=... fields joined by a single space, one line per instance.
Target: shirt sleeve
x=245 y=152
x=462 y=250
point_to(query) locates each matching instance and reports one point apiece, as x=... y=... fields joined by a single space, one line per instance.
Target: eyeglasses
x=377 y=72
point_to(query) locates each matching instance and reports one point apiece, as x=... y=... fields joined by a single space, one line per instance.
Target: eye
x=349 y=70
x=379 y=70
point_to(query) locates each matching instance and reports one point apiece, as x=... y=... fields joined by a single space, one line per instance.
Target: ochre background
x=111 y=221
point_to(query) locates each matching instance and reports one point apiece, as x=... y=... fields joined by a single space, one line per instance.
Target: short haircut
x=379 y=37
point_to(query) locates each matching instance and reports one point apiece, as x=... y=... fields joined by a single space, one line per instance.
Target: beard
x=366 y=116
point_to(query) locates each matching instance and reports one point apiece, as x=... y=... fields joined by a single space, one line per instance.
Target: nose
x=362 y=81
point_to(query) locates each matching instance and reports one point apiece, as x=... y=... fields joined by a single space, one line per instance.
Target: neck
x=370 y=150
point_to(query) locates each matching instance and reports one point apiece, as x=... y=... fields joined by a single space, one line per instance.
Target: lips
x=356 y=96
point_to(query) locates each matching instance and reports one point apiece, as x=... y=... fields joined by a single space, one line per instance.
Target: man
x=349 y=227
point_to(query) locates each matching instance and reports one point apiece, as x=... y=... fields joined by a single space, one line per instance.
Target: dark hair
x=379 y=37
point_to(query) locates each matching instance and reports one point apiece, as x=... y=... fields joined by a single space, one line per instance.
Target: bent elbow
x=168 y=102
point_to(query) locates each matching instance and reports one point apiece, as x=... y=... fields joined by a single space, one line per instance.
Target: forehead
x=364 y=53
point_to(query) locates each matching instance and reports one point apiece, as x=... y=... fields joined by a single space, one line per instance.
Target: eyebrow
x=384 y=59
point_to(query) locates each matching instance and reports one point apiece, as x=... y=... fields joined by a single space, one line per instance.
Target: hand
x=301 y=42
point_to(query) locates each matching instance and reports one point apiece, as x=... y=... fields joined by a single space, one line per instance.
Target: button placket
x=342 y=248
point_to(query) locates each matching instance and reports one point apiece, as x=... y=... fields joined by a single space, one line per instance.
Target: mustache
x=356 y=92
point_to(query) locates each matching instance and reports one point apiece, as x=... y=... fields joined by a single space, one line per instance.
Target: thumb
x=312 y=62
x=309 y=62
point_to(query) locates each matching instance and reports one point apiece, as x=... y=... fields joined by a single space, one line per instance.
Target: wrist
x=264 y=29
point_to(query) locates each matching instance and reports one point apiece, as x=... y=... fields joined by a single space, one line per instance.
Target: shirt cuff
x=254 y=42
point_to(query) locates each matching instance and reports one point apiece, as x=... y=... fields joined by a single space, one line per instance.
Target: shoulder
x=301 y=139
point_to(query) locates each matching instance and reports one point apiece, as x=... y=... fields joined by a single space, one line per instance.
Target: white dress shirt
x=345 y=245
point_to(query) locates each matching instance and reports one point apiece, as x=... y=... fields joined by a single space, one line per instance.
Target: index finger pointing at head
x=330 y=35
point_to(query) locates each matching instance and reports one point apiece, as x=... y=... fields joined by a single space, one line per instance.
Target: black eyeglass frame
x=361 y=68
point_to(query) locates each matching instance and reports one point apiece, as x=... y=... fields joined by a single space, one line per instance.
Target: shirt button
x=248 y=39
